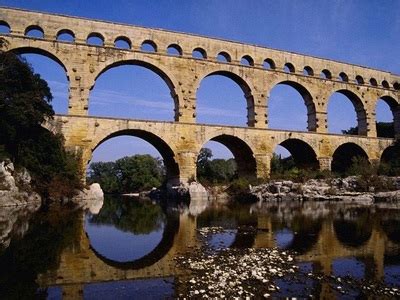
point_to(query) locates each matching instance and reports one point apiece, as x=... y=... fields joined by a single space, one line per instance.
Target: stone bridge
x=183 y=61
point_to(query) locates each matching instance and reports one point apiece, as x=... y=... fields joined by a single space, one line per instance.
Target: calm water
x=127 y=248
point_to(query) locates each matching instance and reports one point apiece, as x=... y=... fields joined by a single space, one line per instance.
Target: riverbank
x=349 y=189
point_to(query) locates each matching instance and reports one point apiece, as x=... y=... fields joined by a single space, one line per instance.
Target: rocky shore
x=349 y=189
x=15 y=186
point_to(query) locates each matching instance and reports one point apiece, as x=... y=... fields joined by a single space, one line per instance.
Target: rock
x=23 y=178
x=15 y=187
x=91 y=199
x=7 y=181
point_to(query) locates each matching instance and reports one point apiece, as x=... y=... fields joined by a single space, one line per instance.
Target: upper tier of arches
x=21 y=22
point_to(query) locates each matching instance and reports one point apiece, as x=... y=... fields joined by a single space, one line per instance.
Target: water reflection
x=125 y=229
x=129 y=247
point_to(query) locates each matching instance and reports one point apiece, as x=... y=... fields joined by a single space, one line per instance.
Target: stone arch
x=149 y=43
x=67 y=32
x=269 y=64
x=391 y=227
x=308 y=71
x=34 y=27
x=289 y=68
x=326 y=74
x=373 y=82
x=389 y=154
x=343 y=77
x=247 y=60
x=359 y=79
x=385 y=84
x=302 y=153
x=223 y=55
x=359 y=108
x=6 y=25
x=354 y=231
x=176 y=48
x=199 y=53
x=167 y=78
x=395 y=108
x=247 y=91
x=161 y=250
x=168 y=155
x=308 y=101
x=343 y=155
x=46 y=53
x=307 y=231
x=396 y=86
x=123 y=39
x=242 y=153
x=96 y=35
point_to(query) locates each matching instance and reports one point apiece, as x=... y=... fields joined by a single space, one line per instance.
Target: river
x=128 y=248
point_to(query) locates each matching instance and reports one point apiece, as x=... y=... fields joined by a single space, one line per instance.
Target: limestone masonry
x=255 y=69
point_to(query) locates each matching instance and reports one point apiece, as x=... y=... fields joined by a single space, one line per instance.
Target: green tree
x=383 y=129
x=25 y=104
x=211 y=171
x=128 y=174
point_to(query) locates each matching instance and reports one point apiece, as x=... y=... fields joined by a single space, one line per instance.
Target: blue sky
x=360 y=32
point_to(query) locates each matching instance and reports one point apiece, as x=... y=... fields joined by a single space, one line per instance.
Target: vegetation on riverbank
x=25 y=104
x=129 y=174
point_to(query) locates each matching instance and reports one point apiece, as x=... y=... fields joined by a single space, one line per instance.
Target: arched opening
x=233 y=161
x=133 y=89
x=223 y=57
x=95 y=39
x=199 y=53
x=289 y=68
x=247 y=60
x=174 y=49
x=65 y=35
x=4 y=28
x=346 y=114
x=34 y=31
x=306 y=235
x=220 y=100
x=148 y=46
x=122 y=42
x=53 y=71
x=133 y=142
x=345 y=155
x=269 y=64
x=390 y=160
x=326 y=74
x=359 y=79
x=292 y=155
x=343 y=77
x=308 y=71
x=396 y=86
x=387 y=117
x=391 y=227
x=289 y=100
x=385 y=84
x=373 y=82
x=353 y=228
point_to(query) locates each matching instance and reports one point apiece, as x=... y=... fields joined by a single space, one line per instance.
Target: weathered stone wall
x=183 y=73
x=179 y=142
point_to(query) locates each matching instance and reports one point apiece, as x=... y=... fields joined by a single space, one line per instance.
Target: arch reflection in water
x=135 y=227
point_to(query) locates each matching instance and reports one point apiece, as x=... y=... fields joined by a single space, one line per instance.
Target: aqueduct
x=182 y=61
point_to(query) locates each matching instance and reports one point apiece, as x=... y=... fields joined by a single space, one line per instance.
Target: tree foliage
x=383 y=129
x=25 y=103
x=215 y=171
x=128 y=174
